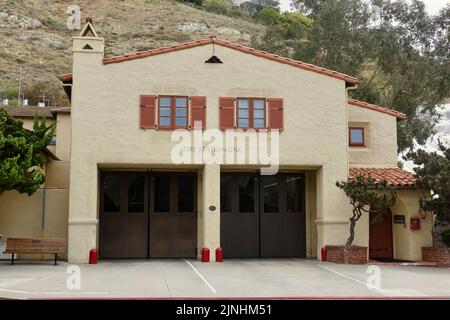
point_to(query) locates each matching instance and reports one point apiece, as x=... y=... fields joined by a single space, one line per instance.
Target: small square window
x=356 y=137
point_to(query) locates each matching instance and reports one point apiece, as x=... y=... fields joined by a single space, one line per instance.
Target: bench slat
x=25 y=240
x=37 y=246
x=34 y=251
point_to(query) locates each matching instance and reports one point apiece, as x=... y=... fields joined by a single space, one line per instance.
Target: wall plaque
x=399 y=218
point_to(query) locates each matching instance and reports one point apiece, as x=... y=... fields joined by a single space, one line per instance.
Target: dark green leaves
x=21 y=160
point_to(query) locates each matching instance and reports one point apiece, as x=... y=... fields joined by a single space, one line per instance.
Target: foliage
x=284 y=30
x=269 y=4
x=34 y=93
x=433 y=173
x=446 y=237
x=217 y=6
x=20 y=153
x=366 y=194
x=196 y=2
x=399 y=53
x=267 y=16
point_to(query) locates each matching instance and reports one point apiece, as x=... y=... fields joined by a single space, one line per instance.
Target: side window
x=111 y=193
x=53 y=141
x=356 y=137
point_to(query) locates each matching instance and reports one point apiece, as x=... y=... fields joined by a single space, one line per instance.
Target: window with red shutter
x=147 y=112
x=173 y=112
x=198 y=111
x=251 y=113
x=275 y=111
x=226 y=113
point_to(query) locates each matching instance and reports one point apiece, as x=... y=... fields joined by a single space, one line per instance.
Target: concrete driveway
x=293 y=278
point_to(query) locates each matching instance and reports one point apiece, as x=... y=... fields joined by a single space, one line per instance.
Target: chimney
x=88 y=42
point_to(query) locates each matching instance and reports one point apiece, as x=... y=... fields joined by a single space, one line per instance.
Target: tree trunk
x=352 y=232
x=356 y=216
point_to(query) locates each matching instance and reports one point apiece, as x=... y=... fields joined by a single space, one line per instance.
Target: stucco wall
x=26 y=216
x=381 y=138
x=105 y=121
x=63 y=128
x=408 y=243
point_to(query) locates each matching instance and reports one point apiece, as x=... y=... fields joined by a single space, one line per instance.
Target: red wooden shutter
x=275 y=106
x=226 y=113
x=198 y=111
x=147 y=112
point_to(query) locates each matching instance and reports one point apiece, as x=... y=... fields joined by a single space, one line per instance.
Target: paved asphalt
x=287 y=278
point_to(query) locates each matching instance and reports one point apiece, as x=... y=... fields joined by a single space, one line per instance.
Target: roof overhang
x=349 y=80
x=395 y=177
x=374 y=107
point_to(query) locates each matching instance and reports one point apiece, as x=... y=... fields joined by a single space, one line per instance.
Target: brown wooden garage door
x=263 y=216
x=148 y=215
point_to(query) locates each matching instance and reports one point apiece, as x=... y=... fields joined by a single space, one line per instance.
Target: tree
x=433 y=173
x=366 y=195
x=401 y=58
x=21 y=158
x=267 y=16
x=284 y=31
x=217 y=6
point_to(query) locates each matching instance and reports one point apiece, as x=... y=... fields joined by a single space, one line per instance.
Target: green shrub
x=446 y=237
x=237 y=13
x=267 y=16
x=216 y=6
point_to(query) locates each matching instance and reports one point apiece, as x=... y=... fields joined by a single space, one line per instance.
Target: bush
x=267 y=16
x=216 y=6
x=446 y=237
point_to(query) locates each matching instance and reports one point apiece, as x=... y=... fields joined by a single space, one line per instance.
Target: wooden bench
x=35 y=246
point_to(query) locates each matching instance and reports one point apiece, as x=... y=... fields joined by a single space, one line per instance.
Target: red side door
x=380 y=235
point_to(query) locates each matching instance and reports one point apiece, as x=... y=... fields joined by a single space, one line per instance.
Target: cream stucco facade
x=102 y=133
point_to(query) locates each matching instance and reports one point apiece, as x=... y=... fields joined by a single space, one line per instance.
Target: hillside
x=34 y=36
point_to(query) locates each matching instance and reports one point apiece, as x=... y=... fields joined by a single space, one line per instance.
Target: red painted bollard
x=205 y=255
x=219 y=254
x=324 y=254
x=93 y=256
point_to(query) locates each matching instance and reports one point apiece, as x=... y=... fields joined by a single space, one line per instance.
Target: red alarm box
x=415 y=223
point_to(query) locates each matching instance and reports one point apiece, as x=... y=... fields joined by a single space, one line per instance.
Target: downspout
x=346 y=113
x=43 y=196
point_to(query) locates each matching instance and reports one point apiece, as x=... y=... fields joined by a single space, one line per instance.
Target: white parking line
x=201 y=277
x=380 y=291
x=52 y=292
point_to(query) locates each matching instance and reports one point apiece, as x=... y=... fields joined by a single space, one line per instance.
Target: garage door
x=148 y=215
x=263 y=216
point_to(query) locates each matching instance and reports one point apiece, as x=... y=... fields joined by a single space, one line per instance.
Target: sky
x=433 y=6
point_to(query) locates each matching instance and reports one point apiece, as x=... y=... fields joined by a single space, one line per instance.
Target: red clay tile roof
x=394 y=176
x=28 y=111
x=374 y=107
x=274 y=57
x=61 y=110
x=66 y=77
